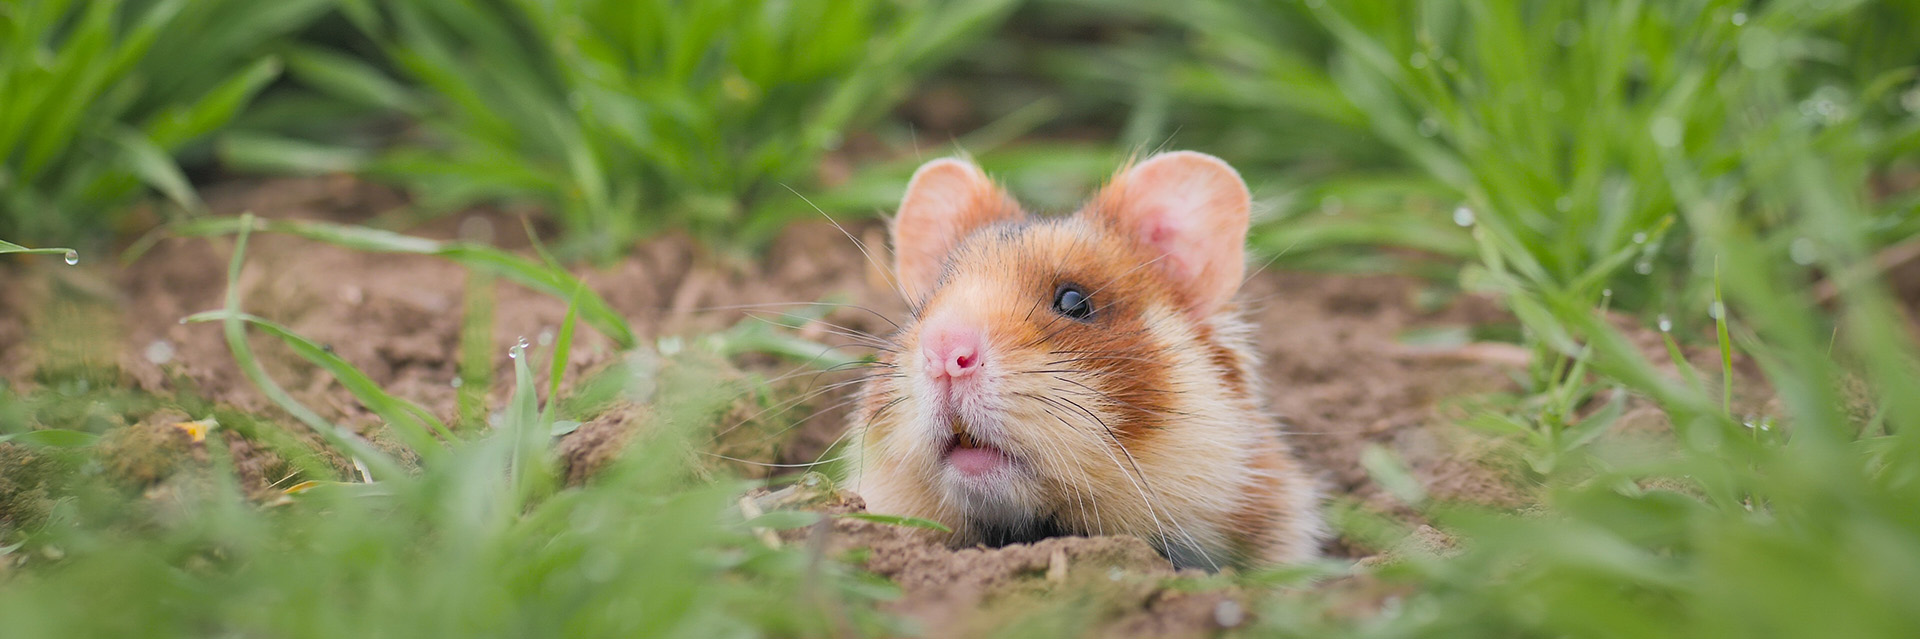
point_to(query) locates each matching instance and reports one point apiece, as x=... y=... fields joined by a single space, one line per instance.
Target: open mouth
x=971 y=456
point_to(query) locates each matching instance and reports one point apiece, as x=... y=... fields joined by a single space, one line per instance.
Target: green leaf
x=9 y=247
x=52 y=438
x=785 y=519
x=413 y=423
x=271 y=154
x=157 y=169
x=182 y=124
x=898 y=520
x=1387 y=470
x=525 y=272
x=348 y=78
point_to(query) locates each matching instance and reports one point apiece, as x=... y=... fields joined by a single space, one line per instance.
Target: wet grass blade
x=9 y=247
x=243 y=355
x=414 y=424
x=529 y=273
x=898 y=520
x=476 y=350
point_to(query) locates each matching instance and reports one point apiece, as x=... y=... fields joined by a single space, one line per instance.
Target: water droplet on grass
x=1640 y=238
x=1802 y=251
x=1666 y=325
x=1716 y=310
x=1643 y=267
x=546 y=337
x=518 y=347
x=457 y=382
x=1739 y=18
x=73 y=257
x=1463 y=216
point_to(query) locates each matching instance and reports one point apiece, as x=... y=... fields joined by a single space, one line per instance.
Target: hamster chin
x=980 y=477
x=997 y=492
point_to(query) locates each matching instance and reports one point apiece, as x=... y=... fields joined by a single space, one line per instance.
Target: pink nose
x=952 y=352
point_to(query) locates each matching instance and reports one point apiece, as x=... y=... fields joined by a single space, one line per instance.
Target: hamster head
x=1064 y=375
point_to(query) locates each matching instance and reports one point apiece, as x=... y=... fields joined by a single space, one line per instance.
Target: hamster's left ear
x=1192 y=210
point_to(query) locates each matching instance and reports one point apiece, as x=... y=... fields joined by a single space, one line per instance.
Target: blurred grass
x=96 y=99
x=624 y=118
x=471 y=535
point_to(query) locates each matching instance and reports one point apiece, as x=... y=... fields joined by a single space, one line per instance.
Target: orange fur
x=1140 y=419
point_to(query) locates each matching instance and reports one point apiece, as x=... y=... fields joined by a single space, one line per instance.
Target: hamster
x=1081 y=375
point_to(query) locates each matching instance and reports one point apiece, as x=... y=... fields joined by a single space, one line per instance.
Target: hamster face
x=1081 y=374
x=1035 y=354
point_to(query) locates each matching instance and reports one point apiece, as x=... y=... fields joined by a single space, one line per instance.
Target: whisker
x=884 y=271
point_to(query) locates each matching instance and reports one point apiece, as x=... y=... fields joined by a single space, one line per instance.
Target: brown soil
x=1335 y=370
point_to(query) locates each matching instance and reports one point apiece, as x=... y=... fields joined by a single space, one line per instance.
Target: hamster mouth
x=971 y=456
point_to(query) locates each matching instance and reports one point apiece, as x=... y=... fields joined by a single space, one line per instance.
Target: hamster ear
x=947 y=200
x=1191 y=209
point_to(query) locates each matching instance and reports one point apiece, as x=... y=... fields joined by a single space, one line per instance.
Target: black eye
x=1072 y=302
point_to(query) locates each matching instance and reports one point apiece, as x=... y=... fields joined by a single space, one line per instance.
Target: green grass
x=97 y=98
x=651 y=116
x=1717 y=172
x=476 y=536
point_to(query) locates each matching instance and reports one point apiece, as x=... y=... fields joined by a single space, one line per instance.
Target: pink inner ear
x=1192 y=209
x=946 y=200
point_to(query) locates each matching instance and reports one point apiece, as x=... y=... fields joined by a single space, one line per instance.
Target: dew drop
x=1802 y=251
x=160 y=351
x=1666 y=325
x=522 y=344
x=1640 y=238
x=1229 y=614
x=1739 y=18
x=1607 y=293
x=1716 y=310
x=546 y=337
x=1463 y=216
x=73 y=257
x=457 y=382
x=1643 y=267
x=1911 y=100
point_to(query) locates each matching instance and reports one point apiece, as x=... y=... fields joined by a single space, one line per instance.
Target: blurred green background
x=1747 y=171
